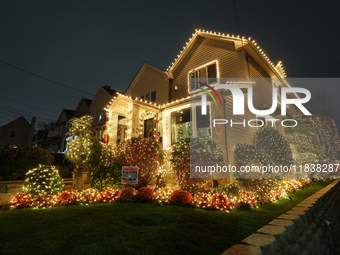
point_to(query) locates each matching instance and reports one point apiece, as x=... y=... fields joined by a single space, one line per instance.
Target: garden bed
x=121 y=228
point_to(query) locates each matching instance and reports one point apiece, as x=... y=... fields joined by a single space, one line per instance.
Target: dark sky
x=87 y=44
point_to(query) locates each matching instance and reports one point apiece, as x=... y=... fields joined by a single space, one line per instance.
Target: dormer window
x=204 y=74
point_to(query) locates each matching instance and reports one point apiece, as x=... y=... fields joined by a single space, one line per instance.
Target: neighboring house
x=206 y=55
x=96 y=110
x=17 y=133
x=83 y=108
x=61 y=130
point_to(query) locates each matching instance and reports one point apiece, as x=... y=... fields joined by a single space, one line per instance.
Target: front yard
x=135 y=228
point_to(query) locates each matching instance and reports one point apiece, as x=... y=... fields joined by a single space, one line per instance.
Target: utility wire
x=43 y=78
x=40 y=108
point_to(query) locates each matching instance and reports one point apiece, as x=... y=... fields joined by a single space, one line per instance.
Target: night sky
x=87 y=44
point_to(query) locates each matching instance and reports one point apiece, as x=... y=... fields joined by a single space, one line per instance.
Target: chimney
x=31 y=131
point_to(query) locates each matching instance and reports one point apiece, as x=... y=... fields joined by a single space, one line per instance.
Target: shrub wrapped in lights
x=21 y=200
x=163 y=196
x=145 y=194
x=245 y=197
x=89 y=196
x=202 y=200
x=278 y=193
x=181 y=197
x=43 y=180
x=67 y=197
x=108 y=196
x=43 y=201
x=127 y=195
x=221 y=202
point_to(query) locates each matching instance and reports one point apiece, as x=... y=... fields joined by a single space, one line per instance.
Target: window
x=150 y=97
x=100 y=117
x=189 y=121
x=12 y=133
x=206 y=74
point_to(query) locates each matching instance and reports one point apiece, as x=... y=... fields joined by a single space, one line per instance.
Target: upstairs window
x=205 y=74
x=100 y=117
x=150 y=97
x=12 y=133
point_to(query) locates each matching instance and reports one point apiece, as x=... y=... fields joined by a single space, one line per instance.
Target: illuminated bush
x=248 y=154
x=245 y=198
x=127 y=195
x=145 y=194
x=181 y=197
x=89 y=196
x=202 y=200
x=221 y=202
x=163 y=196
x=43 y=180
x=108 y=196
x=43 y=201
x=67 y=197
x=21 y=200
x=141 y=152
x=275 y=145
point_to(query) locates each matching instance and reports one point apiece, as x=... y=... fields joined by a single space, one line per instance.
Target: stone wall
x=312 y=227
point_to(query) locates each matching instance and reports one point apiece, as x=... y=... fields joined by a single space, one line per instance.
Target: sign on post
x=130 y=175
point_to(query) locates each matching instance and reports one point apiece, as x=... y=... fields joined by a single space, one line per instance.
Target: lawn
x=134 y=228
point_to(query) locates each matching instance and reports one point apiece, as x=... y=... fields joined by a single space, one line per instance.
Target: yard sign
x=129 y=175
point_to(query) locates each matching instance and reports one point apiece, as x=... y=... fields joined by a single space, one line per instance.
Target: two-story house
x=162 y=103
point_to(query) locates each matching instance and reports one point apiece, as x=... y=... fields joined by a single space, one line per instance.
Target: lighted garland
x=43 y=180
x=141 y=123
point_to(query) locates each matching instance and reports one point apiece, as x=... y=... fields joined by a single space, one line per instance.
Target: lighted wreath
x=141 y=123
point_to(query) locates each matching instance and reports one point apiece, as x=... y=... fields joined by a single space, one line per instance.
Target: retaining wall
x=312 y=227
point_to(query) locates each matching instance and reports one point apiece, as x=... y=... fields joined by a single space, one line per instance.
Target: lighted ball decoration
x=163 y=196
x=43 y=180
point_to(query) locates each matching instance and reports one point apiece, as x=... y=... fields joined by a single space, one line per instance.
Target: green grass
x=134 y=228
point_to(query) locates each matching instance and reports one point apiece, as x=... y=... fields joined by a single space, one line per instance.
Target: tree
x=84 y=149
x=46 y=125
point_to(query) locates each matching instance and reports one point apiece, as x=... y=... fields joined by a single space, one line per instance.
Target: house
x=167 y=103
x=96 y=110
x=60 y=140
x=17 y=133
x=160 y=102
x=83 y=108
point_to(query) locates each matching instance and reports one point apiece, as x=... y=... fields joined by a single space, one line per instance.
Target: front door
x=148 y=128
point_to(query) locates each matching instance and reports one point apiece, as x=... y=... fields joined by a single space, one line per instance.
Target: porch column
x=113 y=127
x=134 y=122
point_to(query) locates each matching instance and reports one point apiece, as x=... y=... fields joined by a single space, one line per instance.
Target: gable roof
x=249 y=45
x=87 y=101
x=140 y=72
x=18 y=119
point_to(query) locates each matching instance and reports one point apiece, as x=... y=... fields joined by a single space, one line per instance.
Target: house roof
x=68 y=113
x=140 y=73
x=249 y=45
x=87 y=101
x=21 y=117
